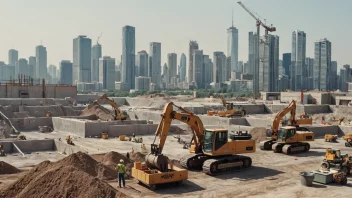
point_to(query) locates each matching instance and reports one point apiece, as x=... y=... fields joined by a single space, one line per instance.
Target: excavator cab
x=286 y=133
x=214 y=139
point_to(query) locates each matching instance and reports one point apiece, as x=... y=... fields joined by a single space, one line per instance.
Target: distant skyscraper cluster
x=90 y=69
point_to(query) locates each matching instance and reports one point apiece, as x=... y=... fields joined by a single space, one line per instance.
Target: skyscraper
x=218 y=66
x=21 y=67
x=165 y=76
x=172 y=64
x=107 y=72
x=286 y=63
x=183 y=69
x=322 y=64
x=309 y=65
x=253 y=60
x=142 y=63
x=226 y=72
x=52 y=72
x=155 y=63
x=333 y=76
x=41 y=62
x=82 y=48
x=208 y=70
x=298 y=57
x=269 y=64
x=96 y=55
x=193 y=45
x=13 y=57
x=66 y=72
x=198 y=68
x=232 y=47
x=32 y=66
x=128 y=57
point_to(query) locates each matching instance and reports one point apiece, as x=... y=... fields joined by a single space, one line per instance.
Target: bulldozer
x=330 y=138
x=230 y=111
x=348 y=139
x=288 y=139
x=118 y=115
x=334 y=159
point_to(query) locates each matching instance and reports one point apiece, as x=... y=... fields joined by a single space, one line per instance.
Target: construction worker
x=48 y=115
x=121 y=170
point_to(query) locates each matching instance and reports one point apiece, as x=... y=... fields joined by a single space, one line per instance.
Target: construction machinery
x=69 y=140
x=118 y=115
x=2 y=153
x=288 y=139
x=348 y=139
x=230 y=110
x=330 y=138
x=212 y=150
x=21 y=137
x=334 y=159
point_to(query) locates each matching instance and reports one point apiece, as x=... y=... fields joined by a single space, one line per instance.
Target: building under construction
x=26 y=87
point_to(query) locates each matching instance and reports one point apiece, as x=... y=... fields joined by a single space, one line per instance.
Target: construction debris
x=45 y=129
x=101 y=112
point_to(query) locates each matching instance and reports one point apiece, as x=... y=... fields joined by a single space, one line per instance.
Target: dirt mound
x=87 y=164
x=258 y=134
x=53 y=180
x=137 y=157
x=101 y=112
x=6 y=168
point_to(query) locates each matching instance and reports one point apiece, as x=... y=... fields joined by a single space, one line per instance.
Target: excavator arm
x=185 y=116
x=118 y=115
x=276 y=123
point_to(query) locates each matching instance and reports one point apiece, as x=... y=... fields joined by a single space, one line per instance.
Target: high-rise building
x=198 y=69
x=82 y=56
x=240 y=67
x=142 y=63
x=253 y=60
x=96 y=55
x=333 y=76
x=41 y=62
x=165 y=76
x=107 y=72
x=322 y=64
x=219 y=65
x=246 y=68
x=21 y=67
x=172 y=63
x=7 y=72
x=269 y=64
x=155 y=63
x=342 y=82
x=52 y=71
x=286 y=63
x=66 y=76
x=309 y=66
x=13 y=57
x=232 y=47
x=298 y=57
x=32 y=66
x=208 y=71
x=142 y=83
x=193 y=45
x=183 y=69
x=226 y=73
x=128 y=57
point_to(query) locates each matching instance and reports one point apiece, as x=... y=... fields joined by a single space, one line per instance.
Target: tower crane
x=267 y=29
x=99 y=38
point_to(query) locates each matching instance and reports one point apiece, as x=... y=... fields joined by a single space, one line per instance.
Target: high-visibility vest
x=121 y=168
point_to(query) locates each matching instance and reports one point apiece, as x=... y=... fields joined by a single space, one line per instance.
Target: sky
x=55 y=23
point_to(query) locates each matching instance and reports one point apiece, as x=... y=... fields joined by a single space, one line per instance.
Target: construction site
x=174 y=146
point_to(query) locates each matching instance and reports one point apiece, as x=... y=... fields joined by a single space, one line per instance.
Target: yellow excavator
x=230 y=110
x=289 y=139
x=214 y=151
x=118 y=115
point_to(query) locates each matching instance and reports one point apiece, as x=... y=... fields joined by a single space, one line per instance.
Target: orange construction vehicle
x=230 y=110
x=214 y=151
x=118 y=115
x=288 y=139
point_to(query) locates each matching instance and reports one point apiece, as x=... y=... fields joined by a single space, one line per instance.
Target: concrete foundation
x=28 y=145
x=30 y=123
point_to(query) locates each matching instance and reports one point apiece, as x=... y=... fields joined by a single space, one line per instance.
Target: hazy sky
x=26 y=23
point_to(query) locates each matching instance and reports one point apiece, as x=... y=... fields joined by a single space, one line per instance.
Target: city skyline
x=58 y=40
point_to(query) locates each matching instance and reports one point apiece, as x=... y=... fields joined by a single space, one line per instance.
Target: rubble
x=101 y=112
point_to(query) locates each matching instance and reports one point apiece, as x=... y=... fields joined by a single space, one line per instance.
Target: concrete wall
x=310 y=109
x=28 y=145
x=71 y=126
x=30 y=123
x=36 y=91
x=85 y=98
x=320 y=131
x=259 y=122
x=67 y=149
x=137 y=129
x=27 y=101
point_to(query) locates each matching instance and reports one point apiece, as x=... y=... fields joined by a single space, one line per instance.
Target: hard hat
x=121 y=160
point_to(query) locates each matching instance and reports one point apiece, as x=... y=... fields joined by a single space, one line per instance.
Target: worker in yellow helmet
x=121 y=170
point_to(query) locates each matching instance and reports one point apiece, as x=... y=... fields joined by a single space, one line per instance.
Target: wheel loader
x=334 y=159
x=348 y=139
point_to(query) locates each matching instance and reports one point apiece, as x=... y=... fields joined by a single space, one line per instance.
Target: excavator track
x=266 y=144
x=298 y=147
x=193 y=161
x=217 y=166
